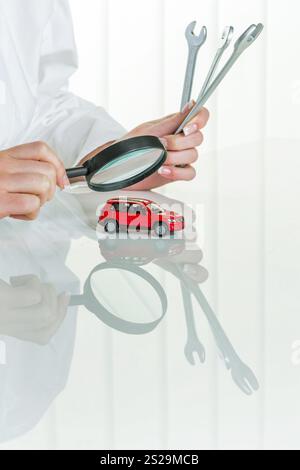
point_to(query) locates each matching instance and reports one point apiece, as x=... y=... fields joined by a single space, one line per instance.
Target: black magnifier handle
x=76 y=172
x=76 y=300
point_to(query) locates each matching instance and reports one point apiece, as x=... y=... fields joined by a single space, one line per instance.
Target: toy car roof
x=125 y=199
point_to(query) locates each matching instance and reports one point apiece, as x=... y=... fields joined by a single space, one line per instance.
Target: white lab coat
x=37 y=58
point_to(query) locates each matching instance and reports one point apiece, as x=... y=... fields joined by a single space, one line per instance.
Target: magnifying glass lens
x=127 y=166
x=122 y=164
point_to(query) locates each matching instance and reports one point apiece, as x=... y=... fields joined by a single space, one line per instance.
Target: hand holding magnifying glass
x=147 y=156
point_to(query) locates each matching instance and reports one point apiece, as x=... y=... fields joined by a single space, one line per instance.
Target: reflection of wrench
x=194 y=44
x=240 y=372
x=193 y=345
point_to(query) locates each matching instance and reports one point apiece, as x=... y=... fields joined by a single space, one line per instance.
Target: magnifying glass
x=125 y=297
x=122 y=164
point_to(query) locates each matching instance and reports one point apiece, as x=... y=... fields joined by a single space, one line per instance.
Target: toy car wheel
x=161 y=229
x=111 y=226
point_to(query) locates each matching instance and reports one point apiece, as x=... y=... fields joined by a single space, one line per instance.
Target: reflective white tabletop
x=133 y=341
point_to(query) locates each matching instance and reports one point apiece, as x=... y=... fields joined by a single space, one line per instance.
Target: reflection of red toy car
x=140 y=214
x=140 y=251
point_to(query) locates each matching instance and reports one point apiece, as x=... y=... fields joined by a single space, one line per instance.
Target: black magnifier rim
x=116 y=323
x=113 y=152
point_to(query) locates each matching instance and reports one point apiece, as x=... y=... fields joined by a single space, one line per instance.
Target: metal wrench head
x=192 y=39
x=226 y=37
x=248 y=37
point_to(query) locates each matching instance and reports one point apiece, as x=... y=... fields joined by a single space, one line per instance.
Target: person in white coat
x=44 y=128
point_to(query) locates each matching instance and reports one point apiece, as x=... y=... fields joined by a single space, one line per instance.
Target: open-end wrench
x=244 y=41
x=194 y=44
x=225 y=42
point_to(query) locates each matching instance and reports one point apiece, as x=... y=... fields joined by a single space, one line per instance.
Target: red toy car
x=140 y=214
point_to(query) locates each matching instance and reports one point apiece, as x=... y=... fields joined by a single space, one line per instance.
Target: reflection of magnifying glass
x=124 y=297
x=122 y=164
